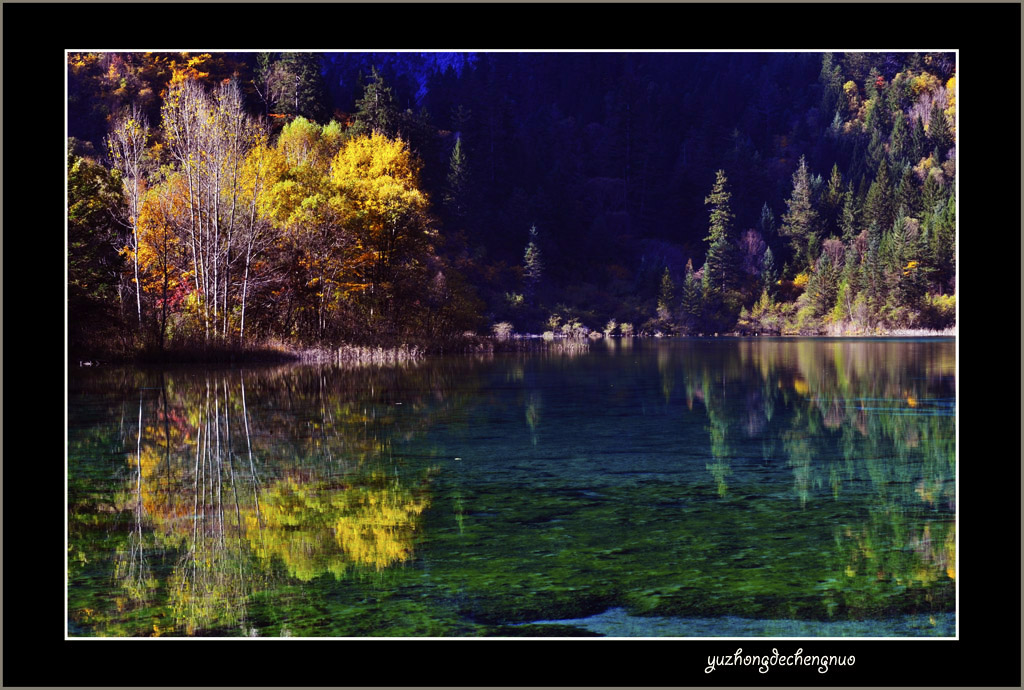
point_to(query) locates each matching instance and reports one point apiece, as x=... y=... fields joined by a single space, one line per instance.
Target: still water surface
x=793 y=487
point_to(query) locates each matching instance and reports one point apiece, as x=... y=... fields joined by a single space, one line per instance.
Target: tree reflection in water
x=235 y=504
x=752 y=478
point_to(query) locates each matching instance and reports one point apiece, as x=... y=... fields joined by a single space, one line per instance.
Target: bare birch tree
x=126 y=145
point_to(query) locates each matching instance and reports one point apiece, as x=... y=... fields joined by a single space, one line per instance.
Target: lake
x=632 y=488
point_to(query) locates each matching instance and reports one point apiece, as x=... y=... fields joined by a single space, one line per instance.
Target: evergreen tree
x=532 y=266
x=303 y=93
x=691 y=303
x=721 y=264
x=908 y=195
x=831 y=79
x=666 y=297
x=766 y=223
x=943 y=243
x=264 y=80
x=800 y=222
x=876 y=148
x=895 y=247
x=908 y=275
x=932 y=195
x=832 y=202
x=711 y=301
x=879 y=207
x=851 y=275
x=769 y=276
x=848 y=223
x=376 y=110
x=939 y=133
x=824 y=285
x=456 y=189
x=899 y=140
x=871 y=270
x=918 y=141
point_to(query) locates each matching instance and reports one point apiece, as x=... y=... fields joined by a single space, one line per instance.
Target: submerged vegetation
x=220 y=204
x=773 y=480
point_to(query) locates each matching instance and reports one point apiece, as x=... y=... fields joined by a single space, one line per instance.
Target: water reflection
x=755 y=478
x=869 y=419
x=237 y=478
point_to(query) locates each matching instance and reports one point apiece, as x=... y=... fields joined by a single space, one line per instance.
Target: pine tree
x=455 y=194
x=711 y=300
x=769 y=276
x=848 y=222
x=832 y=81
x=832 y=202
x=691 y=304
x=303 y=93
x=876 y=148
x=800 y=222
x=918 y=141
x=376 y=111
x=721 y=265
x=871 y=270
x=895 y=250
x=932 y=195
x=943 y=243
x=766 y=224
x=532 y=266
x=824 y=285
x=666 y=297
x=908 y=196
x=938 y=131
x=899 y=140
x=879 y=206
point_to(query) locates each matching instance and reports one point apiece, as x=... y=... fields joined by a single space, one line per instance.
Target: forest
x=254 y=199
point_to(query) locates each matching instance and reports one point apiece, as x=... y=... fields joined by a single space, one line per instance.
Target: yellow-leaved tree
x=381 y=179
x=261 y=170
x=316 y=245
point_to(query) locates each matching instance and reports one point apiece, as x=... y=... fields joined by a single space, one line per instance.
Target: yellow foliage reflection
x=315 y=527
x=224 y=500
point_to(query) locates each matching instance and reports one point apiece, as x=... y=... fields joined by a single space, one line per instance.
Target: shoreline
x=360 y=355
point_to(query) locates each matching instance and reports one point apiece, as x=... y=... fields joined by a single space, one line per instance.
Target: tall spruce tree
x=533 y=268
x=800 y=222
x=938 y=131
x=879 y=207
x=721 y=264
x=457 y=187
x=766 y=223
x=303 y=92
x=769 y=276
x=690 y=304
x=824 y=284
x=918 y=141
x=908 y=195
x=848 y=222
x=376 y=111
x=667 y=299
x=832 y=203
x=899 y=140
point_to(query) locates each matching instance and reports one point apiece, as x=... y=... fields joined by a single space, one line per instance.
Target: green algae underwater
x=637 y=488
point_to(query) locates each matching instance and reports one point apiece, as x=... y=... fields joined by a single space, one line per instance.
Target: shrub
x=502 y=330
